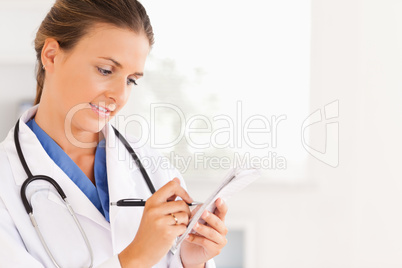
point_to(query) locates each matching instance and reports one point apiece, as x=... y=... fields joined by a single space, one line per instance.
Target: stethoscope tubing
x=31 y=178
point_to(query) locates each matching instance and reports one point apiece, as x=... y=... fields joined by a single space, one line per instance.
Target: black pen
x=133 y=202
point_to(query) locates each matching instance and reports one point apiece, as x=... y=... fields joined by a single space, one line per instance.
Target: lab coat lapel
x=118 y=163
x=120 y=184
x=40 y=163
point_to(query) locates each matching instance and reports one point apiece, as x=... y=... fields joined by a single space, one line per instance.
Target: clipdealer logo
x=236 y=133
x=199 y=160
x=256 y=135
x=201 y=134
x=330 y=155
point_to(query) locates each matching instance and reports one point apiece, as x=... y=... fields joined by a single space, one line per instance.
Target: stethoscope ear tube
x=19 y=151
x=136 y=159
x=31 y=178
x=29 y=208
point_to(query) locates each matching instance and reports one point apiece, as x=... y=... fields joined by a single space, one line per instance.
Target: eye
x=104 y=71
x=131 y=81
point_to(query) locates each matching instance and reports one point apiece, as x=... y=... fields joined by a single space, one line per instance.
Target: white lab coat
x=20 y=245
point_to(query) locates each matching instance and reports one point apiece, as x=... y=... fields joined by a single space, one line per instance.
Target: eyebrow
x=118 y=64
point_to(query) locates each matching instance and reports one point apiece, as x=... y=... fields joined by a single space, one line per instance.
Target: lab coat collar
x=117 y=164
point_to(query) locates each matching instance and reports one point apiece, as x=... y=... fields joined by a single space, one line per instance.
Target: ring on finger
x=175 y=219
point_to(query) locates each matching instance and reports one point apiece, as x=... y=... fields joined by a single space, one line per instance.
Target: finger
x=172 y=198
x=182 y=218
x=215 y=222
x=209 y=245
x=176 y=206
x=171 y=229
x=170 y=189
x=210 y=233
x=178 y=230
x=221 y=209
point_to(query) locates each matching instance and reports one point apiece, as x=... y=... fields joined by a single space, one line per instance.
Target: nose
x=119 y=92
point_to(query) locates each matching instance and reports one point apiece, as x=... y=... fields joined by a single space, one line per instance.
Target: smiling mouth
x=101 y=111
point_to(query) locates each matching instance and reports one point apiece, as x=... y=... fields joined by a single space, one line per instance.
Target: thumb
x=173 y=197
x=193 y=211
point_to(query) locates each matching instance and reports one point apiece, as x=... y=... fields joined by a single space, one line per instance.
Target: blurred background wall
x=338 y=212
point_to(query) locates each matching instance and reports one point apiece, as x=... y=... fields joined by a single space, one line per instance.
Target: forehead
x=105 y=40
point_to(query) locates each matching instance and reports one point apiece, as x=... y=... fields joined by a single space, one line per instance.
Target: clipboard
x=235 y=181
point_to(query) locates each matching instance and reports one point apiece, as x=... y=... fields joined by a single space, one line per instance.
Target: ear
x=49 y=51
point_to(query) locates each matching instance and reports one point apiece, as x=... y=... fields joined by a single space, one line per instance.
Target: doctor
x=90 y=55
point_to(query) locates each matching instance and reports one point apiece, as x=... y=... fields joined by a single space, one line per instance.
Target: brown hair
x=69 y=20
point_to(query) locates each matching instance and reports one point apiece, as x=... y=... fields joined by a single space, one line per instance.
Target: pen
x=132 y=202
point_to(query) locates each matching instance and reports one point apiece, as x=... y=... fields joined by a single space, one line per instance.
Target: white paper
x=235 y=181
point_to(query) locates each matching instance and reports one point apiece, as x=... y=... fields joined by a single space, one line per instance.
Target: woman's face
x=92 y=82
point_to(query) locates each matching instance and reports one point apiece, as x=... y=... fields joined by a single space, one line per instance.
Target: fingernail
x=205 y=214
x=220 y=201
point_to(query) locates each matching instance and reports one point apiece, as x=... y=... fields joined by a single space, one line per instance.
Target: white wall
x=378 y=198
x=349 y=216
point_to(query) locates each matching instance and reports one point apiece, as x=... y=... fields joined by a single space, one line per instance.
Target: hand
x=209 y=239
x=158 y=228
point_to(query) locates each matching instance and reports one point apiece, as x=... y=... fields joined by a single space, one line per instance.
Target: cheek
x=71 y=84
x=81 y=87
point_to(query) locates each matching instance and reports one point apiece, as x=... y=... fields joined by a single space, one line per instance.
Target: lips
x=100 y=110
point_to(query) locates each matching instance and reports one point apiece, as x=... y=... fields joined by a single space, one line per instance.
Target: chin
x=88 y=125
x=94 y=127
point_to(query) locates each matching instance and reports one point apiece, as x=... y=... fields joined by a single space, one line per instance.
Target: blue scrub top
x=99 y=194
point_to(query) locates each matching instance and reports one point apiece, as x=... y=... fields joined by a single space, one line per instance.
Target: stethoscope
x=63 y=196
